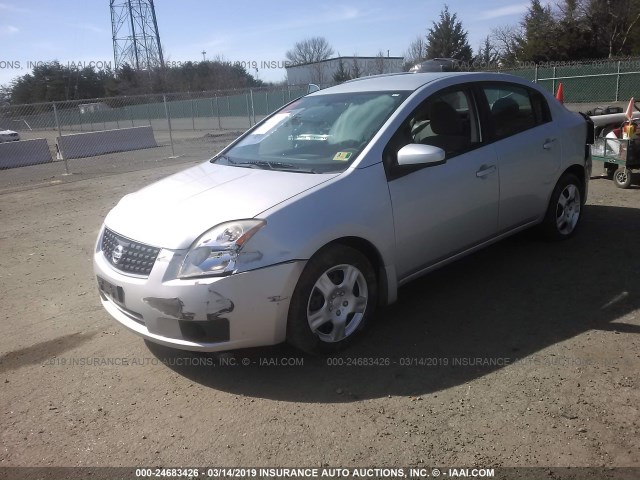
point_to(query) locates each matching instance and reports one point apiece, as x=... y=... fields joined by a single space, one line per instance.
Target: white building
x=322 y=72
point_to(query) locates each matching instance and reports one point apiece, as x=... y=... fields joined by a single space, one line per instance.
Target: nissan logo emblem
x=116 y=256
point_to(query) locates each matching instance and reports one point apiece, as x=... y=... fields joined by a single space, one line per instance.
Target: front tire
x=333 y=301
x=565 y=208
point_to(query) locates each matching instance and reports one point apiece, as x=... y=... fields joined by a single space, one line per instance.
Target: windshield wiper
x=289 y=167
x=280 y=166
x=256 y=164
x=220 y=157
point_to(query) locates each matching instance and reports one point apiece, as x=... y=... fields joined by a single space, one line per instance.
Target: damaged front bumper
x=206 y=314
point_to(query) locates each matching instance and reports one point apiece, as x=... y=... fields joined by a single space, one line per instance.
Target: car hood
x=173 y=212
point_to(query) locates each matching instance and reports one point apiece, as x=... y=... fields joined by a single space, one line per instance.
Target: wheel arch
x=387 y=287
x=580 y=172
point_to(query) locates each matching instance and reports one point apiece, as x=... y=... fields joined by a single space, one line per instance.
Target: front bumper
x=207 y=314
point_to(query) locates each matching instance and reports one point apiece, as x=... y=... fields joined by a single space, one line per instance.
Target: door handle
x=485 y=170
x=548 y=143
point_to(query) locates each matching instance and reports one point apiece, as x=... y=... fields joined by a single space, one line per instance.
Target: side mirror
x=312 y=88
x=418 y=154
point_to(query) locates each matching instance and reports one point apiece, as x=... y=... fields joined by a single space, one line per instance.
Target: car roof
x=409 y=81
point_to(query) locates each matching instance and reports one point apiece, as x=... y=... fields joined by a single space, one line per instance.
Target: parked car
x=305 y=224
x=9 y=136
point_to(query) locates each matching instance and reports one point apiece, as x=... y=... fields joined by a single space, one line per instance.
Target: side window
x=446 y=120
x=540 y=107
x=514 y=109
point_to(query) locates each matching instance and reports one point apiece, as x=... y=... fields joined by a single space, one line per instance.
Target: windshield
x=315 y=134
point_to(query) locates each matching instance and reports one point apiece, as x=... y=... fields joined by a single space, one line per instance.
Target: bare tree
x=508 y=40
x=487 y=55
x=416 y=53
x=318 y=73
x=613 y=21
x=310 y=50
x=379 y=64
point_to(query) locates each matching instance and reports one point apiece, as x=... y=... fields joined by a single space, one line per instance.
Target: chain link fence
x=119 y=134
x=587 y=82
x=45 y=141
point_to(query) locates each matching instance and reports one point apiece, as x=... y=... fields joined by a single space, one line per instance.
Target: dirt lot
x=555 y=328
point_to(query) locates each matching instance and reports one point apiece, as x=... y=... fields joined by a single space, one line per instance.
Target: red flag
x=629 y=112
x=560 y=93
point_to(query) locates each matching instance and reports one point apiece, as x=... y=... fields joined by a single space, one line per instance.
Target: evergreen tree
x=356 y=71
x=342 y=73
x=573 y=33
x=540 y=33
x=56 y=82
x=447 y=38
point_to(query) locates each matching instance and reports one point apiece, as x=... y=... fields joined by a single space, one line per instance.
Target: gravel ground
x=525 y=354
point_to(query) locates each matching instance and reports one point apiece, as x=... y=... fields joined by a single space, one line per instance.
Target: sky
x=247 y=31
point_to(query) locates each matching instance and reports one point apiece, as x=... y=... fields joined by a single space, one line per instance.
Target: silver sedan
x=305 y=224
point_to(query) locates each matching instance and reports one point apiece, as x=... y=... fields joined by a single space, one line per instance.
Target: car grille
x=134 y=257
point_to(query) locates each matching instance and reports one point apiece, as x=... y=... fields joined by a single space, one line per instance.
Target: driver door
x=444 y=209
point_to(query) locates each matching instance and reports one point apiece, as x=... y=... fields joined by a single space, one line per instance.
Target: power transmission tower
x=136 y=39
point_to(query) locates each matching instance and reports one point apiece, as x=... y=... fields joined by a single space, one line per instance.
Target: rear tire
x=622 y=178
x=565 y=209
x=333 y=301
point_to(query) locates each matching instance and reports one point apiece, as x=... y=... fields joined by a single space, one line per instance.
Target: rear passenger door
x=528 y=149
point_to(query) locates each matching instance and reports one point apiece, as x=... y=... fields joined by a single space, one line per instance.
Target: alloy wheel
x=568 y=209
x=337 y=303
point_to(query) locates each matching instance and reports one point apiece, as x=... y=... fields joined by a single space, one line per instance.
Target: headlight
x=216 y=251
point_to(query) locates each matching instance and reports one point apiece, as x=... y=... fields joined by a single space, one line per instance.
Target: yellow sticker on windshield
x=342 y=156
